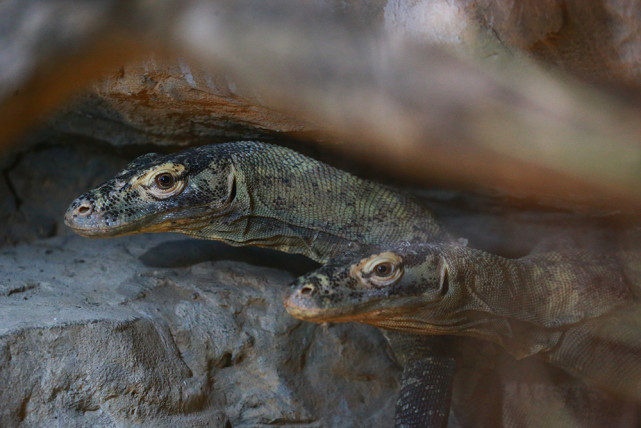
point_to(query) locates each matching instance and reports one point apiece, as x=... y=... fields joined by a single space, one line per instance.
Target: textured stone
x=90 y=336
x=418 y=108
x=167 y=102
x=38 y=184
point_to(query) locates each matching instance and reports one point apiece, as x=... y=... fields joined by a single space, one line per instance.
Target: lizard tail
x=426 y=392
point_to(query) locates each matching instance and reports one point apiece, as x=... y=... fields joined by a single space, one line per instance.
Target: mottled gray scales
x=425 y=381
x=606 y=349
x=281 y=199
x=578 y=310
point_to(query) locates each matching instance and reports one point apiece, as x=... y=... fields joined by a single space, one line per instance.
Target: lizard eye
x=379 y=270
x=384 y=269
x=165 y=181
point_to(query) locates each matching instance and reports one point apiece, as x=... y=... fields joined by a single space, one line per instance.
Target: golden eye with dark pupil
x=165 y=181
x=384 y=269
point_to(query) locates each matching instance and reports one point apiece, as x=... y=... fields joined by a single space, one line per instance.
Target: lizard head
x=156 y=193
x=382 y=289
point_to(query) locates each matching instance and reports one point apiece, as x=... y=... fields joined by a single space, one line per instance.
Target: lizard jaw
x=319 y=315
x=108 y=232
x=305 y=308
x=93 y=225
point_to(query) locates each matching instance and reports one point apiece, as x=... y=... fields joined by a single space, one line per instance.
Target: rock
x=172 y=102
x=90 y=336
x=363 y=73
x=39 y=184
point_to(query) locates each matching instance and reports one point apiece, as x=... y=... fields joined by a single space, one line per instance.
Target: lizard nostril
x=84 y=209
x=308 y=290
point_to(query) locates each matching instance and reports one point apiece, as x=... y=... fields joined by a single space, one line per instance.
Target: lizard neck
x=526 y=304
x=293 y=203
x=552 y=289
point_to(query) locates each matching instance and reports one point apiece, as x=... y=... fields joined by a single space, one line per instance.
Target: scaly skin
x=250 y=193
x=574 y=309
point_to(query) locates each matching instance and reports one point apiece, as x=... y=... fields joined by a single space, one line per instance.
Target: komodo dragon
x=575 y=309
x=251 y=193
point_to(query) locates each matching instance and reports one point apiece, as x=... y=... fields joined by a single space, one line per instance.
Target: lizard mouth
x=150 y=224
x=305 y=306
x=97 y=228
x=93 y=223
x=103 y=232
x=400 y=316
x=320 y=315
x=370 y=313
x=100 y=224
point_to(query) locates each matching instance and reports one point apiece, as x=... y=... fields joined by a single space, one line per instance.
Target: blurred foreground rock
x=172 y=102
x=462 y=103
x=90 y=336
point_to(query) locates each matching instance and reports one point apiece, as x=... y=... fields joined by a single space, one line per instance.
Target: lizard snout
x=307 y=290
x=301 y=295
x=301 y=303
x=86 y=217
x=84 y=209
x=80 y=208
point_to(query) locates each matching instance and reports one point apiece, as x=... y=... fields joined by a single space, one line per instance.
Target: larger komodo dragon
x=575 y=309
x=250 y=193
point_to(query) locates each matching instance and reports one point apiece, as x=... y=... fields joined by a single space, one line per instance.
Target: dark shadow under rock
x=187 y=252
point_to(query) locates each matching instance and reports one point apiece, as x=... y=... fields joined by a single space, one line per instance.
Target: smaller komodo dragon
x=252 y=193
x=575 y=309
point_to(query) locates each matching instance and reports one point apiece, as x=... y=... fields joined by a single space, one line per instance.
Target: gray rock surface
x=39 y=184
x=92 y=335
